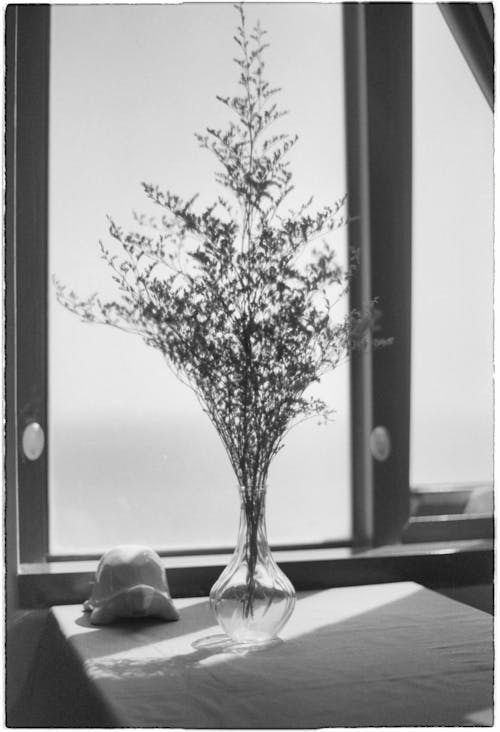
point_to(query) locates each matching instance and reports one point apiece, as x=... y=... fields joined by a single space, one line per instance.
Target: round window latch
x=33 y=441
x=380 y=443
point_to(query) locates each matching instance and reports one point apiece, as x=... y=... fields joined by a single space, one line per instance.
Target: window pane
x=452 y=392
x=132 y=457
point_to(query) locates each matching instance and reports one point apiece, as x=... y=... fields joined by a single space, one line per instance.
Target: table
x=379 y=655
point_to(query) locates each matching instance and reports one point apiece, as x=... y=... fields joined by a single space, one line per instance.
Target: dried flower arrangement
x=237 y=297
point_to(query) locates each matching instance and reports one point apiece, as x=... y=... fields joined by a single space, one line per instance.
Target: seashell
x=130 y=583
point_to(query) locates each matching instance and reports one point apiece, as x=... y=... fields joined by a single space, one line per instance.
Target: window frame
x=378 y=103
x=379 y=163
x=27 y=127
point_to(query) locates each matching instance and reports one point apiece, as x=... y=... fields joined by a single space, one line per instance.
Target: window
x=131 y=455
x=452 y=311
x=378 y=111
x=452 y=322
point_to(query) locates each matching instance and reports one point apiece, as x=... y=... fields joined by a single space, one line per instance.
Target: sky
x=452 y=339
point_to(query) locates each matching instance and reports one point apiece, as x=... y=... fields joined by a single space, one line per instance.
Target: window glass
x=452 y=329
x=132 y=456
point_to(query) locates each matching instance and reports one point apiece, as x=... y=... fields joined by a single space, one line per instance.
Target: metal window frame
x=27 y=30
x=378 y=67
x=378 y=121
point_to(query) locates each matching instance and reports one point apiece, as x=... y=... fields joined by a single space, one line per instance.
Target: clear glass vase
x=252 y=599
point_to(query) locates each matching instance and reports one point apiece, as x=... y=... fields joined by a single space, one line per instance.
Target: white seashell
x=130 y=583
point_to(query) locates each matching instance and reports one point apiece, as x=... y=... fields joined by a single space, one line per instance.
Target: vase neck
x=252 y=496
x=252 y=517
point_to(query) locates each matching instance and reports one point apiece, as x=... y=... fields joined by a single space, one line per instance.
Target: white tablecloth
x=379 y=655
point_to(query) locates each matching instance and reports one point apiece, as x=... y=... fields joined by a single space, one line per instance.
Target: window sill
x=448 y=527
x=448 y=562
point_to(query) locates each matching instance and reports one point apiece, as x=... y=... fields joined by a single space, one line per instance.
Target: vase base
x=222 y=643
x=258 y=645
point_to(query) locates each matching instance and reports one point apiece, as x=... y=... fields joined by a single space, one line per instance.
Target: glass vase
x=252 y=599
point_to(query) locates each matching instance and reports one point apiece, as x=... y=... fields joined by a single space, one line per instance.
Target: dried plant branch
x=246 y=319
